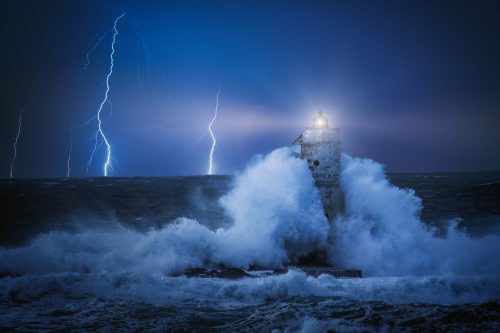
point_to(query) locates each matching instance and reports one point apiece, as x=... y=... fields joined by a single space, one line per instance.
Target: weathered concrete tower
x=320 y=147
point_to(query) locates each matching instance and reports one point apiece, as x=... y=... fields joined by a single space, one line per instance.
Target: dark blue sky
x=412 y=84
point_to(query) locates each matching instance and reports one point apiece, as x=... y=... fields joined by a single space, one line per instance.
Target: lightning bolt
x=87 y=55
x=86 y=166
x=12 y=162
x=68 y=162
x=214 y=141
x=100 y=133
x=146 y=55
x=150 y=62
x=87 y=62
x=141 y=86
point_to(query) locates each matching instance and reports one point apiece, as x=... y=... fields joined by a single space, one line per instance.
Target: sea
x=225 y=253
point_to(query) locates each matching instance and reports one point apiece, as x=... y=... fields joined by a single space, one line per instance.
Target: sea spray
x=277 y=218
x=277 y=213
x=381 y=231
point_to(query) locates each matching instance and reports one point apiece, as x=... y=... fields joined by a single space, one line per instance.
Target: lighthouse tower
x=320 y=147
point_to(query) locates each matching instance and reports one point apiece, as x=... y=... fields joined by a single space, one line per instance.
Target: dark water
x=67 y=292
x=474 y=198
x=30 y=207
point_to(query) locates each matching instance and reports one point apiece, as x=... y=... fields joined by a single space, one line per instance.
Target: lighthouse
x=320 y=147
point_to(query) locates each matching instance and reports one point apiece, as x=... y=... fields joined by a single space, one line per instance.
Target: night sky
x=414 y=85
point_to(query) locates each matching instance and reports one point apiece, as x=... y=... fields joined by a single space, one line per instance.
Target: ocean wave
x=277 y=218
x=382 y=233
x=162 y=289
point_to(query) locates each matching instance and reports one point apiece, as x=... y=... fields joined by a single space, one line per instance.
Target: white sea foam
x=382 y=233
x=161 y=289
x=277 y=217
x=277 y=213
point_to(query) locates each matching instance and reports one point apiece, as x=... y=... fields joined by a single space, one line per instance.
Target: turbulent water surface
x=118 y=253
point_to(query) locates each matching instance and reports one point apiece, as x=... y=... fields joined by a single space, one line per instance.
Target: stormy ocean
x=225 y=253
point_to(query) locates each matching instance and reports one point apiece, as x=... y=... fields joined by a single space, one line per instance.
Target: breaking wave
x=277 y=218
x=161 y=289
x=381 y=231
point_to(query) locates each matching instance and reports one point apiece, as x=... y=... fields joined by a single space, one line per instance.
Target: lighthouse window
x=316 y=163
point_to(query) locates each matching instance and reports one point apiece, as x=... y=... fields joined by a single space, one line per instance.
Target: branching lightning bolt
x=214 y=141
x=12 y=162
x=139 y=75
x=87 y=55
x=68 y=162
x=100 y=133
x=84 y=67
x=149 y=62
x=141 y=86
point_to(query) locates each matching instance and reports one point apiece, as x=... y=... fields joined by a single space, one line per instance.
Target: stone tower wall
x=321 y=149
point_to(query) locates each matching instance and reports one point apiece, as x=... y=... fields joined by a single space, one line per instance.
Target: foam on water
x=382 y=233
x=277 y=217
x=161 y=289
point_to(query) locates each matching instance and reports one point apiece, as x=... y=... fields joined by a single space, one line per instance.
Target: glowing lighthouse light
x=320 y=121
